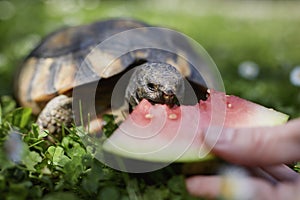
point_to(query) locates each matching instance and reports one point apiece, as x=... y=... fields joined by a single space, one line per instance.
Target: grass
x=266 y=33
x=231 y=32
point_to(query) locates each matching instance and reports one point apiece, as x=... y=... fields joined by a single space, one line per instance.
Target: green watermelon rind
x=186 y=155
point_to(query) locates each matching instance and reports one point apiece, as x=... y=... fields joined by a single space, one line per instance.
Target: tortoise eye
x=152 y=86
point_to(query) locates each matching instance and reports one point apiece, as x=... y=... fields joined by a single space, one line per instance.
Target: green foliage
x=109 y=126
x=19 y=117
x=297 y=167
x=66 y=170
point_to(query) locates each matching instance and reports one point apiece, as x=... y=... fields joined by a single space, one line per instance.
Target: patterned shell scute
x=52 y=67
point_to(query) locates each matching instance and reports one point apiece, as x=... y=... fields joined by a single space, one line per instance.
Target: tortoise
x=45 y=80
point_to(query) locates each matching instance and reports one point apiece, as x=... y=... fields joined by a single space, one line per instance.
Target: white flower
x=248 y=70
x=14 y=146
x=295 y=76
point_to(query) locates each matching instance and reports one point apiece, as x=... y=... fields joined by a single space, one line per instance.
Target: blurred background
x=255 y=44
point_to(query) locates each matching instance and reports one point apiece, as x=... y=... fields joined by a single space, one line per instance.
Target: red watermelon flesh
x=158 y=133
x=239 y=112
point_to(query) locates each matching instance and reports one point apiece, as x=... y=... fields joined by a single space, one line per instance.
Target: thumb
x=257 y=146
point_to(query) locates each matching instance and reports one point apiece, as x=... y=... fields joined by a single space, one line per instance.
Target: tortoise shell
x=51 y=68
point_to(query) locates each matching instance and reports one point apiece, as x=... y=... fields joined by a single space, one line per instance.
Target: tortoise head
x=157 y=82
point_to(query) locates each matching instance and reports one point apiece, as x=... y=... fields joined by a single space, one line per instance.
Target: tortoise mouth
x=171 y=102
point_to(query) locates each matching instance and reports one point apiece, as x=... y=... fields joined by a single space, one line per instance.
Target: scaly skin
x=58 y=111
x=157 y=82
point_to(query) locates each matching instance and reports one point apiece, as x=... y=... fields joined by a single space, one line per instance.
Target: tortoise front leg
x=58 y=111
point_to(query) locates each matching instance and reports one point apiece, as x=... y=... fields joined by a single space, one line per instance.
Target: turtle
x=45 y=79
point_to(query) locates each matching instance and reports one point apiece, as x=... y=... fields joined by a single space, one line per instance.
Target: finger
x=227 y=188
x=258 y=146
x=242 y=188
x=275 y=174
x=260 y=173
x=282 y=173
x=204 y=186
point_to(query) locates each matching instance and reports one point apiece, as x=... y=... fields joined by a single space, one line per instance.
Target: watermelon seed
x=148 y=116
x=208 y=93
x=172 y=116
x=229 y=105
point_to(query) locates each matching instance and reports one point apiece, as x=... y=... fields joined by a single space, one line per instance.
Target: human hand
x=264 y=150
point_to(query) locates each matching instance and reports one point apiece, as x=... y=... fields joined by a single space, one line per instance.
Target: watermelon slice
x=157 y=133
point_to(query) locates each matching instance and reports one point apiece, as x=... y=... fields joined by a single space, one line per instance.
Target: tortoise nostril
x=169 y=92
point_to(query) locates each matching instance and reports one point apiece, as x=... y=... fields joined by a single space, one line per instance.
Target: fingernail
x=204 y=186
x=193 y=185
